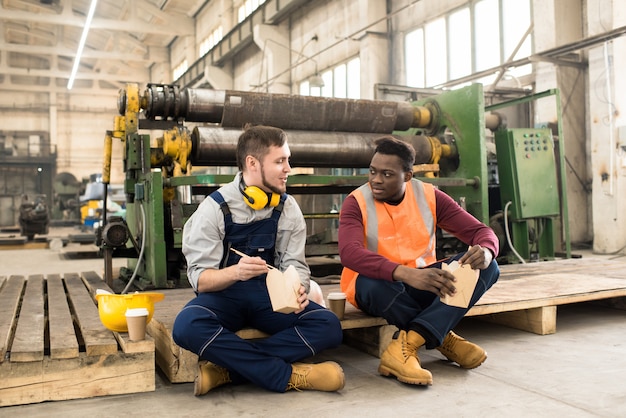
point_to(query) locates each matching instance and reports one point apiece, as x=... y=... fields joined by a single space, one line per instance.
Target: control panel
x=527 y=172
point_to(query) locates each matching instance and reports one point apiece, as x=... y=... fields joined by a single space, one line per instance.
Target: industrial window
x=246 y=8
x=474 y=38
x=210 y=41
x=179 y=70
x=342 y=81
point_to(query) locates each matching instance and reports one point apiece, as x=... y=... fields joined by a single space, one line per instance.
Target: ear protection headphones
x=256 y=198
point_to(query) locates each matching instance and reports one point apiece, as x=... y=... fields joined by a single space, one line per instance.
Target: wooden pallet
x=179 y=365
x=526 y=297
x=54 y=347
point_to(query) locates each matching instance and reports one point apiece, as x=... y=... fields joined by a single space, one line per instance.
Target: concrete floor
x=577 y=372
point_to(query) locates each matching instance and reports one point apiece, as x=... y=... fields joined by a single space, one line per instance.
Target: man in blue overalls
x=253 y=215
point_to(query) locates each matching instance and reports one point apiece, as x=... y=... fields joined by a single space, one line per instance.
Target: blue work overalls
x=207 y=324
x=402 y=305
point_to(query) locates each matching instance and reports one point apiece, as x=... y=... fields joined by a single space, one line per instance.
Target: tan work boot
x=400 y=359
x=327 y=377
x=209 y=376
x=468 y=355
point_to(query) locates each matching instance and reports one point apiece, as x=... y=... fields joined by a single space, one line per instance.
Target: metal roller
x=213 y=146
x=234 y=109
x=315 y=113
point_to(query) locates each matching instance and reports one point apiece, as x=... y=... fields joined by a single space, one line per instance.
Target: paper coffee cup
x=137 y=319
x=337 y=303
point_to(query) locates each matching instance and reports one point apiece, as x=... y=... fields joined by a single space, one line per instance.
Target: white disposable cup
x=337 y=303
x=137 y=319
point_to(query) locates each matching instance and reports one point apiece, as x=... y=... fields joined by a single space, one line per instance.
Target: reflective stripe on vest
x=416 y=194
x=404 y=233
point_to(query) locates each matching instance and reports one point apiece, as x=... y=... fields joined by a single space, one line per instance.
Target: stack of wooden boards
x=54 y=347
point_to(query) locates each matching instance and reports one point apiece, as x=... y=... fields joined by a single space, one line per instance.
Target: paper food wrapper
x=466 y=279
x=283 y=289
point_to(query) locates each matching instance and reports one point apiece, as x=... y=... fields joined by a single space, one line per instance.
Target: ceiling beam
x=52 y=73
x=7 y=86
x=178 y=25
x=158 y=54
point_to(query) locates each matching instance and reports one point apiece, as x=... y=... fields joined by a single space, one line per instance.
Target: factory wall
x=359 y=28
x=327 y=32
x=76 y=124
x=606 y=127
x=557 y=23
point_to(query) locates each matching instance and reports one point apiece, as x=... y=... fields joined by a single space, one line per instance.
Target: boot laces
x=449 y=344
x=224 y=376
x=298 y=380
x=409 y=350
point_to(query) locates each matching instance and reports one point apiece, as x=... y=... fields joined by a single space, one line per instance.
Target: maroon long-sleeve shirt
x=450 y=217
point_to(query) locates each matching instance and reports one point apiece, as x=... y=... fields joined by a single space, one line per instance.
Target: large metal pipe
x=234 y=109
x=216 y=146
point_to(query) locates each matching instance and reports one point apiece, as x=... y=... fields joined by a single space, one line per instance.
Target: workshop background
x=118 y=117
x=361 y=49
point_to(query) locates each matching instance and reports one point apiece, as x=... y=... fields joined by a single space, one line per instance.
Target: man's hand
x=303 y=299
x=477 y=257
x=249 y=267
x=433 y=280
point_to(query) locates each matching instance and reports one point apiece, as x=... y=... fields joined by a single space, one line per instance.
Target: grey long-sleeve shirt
x=204 y=232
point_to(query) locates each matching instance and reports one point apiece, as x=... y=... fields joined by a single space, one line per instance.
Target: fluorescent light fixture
x=81 y=44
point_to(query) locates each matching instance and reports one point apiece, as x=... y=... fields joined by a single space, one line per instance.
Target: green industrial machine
x=528 y=184
x=167 y=177
x=531 y=169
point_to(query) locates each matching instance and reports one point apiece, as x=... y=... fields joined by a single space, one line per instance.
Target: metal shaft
x=234 y=109
x=214 y=146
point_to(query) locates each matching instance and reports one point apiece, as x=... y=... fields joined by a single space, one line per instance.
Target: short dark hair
x=389 y=145
x=256 y=141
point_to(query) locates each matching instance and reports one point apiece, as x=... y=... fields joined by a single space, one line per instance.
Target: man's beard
x=269 y=186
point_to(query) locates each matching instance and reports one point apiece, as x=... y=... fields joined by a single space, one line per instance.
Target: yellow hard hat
x=112 y=307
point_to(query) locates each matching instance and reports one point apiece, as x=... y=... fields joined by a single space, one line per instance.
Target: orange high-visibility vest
x=404 y=233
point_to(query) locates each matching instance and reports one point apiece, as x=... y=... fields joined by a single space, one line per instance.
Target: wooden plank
x=91 y=376
x=372 y=340
x=28 y=343
x=21 y=383
x=93 y=281
x=540 y=321
x=129 y=346
x=98 y=340
x=63 y=342
x=601 y=268
x=178 y=364
x=78 y=378
x=547 y=290
x=10 y=294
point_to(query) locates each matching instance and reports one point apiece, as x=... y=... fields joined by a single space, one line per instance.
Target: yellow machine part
x=177 y=144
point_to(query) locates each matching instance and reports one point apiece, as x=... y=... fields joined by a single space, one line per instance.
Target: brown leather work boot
x=327 y=377
x=209 y=376
x=468 y=355
x=400 y=359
